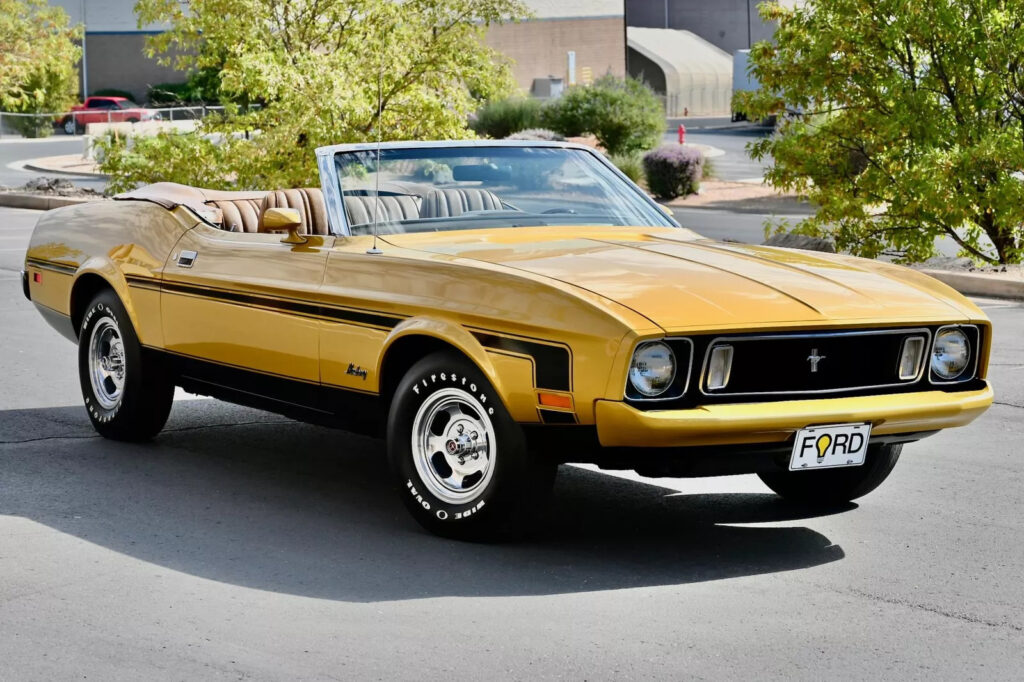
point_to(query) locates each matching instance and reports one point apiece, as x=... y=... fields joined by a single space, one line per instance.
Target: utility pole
x=85 y=63
x=750 y=42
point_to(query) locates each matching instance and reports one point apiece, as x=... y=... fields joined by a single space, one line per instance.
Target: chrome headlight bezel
x=682 y=353
x=971 y=342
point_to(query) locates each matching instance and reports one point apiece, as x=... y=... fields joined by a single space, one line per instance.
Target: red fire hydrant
x=682 y=134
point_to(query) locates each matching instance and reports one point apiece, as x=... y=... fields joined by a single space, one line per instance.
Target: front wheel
x=835 y=486
x=127 y=395
x=459 y=460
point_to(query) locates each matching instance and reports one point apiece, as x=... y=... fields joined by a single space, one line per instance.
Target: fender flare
x=449 y=333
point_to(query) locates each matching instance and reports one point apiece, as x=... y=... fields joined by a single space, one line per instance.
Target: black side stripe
x=50 y=265
x=553 y=363
x=295 y=307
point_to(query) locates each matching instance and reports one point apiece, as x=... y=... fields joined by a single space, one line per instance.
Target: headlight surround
x=951 y=354
x=652 y=369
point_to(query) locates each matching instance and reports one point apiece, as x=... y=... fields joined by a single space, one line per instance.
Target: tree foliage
x=622 y=113
x=316 y=66
x=38 y=54
x=910 y=122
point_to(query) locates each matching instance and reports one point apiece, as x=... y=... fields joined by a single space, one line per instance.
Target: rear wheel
x=69 y=125
x=458 y=458
x=128 y=396
x=835 y=486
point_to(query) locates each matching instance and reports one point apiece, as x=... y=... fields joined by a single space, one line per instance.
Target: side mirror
x=277 y=219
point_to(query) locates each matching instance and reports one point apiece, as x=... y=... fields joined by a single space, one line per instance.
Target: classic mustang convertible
x=495 y=309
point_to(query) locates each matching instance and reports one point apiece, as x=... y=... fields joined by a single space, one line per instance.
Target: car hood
x=680 y=281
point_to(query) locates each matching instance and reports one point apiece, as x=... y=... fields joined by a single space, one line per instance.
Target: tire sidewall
x=497 y=498
x=106 y=305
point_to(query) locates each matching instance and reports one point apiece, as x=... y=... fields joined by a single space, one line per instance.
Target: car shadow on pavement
x=250 y=499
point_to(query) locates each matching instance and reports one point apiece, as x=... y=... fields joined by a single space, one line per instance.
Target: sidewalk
x=68 y=164
x=742 y=197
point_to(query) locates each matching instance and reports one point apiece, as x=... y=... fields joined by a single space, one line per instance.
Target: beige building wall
x=540 y=47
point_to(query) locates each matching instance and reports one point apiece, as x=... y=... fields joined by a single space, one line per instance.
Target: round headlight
x=653 y=368
x=950 y=354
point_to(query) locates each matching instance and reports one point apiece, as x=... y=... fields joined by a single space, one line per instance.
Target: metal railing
x=74 y=122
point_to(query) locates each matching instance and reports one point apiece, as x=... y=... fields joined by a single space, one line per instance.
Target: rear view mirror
x=481 y=172
x=278 y=219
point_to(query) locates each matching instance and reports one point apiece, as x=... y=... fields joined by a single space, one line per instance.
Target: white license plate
x=822 y=447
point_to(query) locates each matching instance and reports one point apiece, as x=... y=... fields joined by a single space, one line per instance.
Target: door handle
x=187 y=258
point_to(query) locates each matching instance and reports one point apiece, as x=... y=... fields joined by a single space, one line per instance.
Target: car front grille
x=816 y=363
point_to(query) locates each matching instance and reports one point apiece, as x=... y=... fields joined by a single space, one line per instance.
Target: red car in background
x=105 y=110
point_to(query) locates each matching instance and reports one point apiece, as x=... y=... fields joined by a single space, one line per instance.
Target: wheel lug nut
x=474 y=435
x=460 y=428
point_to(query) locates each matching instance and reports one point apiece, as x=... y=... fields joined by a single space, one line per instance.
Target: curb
x=38 y=202
x=972 y=284
x=28 y=165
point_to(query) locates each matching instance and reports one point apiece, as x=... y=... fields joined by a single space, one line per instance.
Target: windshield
x=471 y=187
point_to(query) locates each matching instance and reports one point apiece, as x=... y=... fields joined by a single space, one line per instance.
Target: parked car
x=104 y=110
x=495 y=309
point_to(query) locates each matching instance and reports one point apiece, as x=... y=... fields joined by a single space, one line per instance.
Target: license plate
x=824 y=447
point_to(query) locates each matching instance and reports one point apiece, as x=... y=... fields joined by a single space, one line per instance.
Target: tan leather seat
x=390 y=208
x=238 y=215
x=309 y=202
x=448 y=203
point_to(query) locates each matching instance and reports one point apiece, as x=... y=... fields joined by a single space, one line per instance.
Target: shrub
x=630 y=163
x=500 y=118
x=541 y=134
x=202 y=86
x=112 y=92
x=673 y=170
x=623 y=114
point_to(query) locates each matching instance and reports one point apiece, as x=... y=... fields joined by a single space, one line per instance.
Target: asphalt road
x=240 y=545
x=15 y=150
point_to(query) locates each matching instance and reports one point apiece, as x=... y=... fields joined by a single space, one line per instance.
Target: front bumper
x=620 y=425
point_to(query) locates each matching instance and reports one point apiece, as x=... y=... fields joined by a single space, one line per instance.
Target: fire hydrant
x=682 y=134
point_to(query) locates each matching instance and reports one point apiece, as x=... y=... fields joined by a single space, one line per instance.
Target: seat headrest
x=308 y=201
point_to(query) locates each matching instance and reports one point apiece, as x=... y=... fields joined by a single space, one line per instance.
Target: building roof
x=575 y=9
x=698 y=75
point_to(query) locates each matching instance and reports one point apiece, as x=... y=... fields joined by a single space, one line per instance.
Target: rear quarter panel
x=116 y=240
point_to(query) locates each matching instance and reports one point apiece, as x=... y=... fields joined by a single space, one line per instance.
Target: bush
x=630 y=163
x=500 y=118
x=623 y=114
x=112 y=92
x=673 y=170
x=540 y=134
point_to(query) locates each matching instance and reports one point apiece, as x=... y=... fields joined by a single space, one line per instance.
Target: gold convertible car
x=495 y=309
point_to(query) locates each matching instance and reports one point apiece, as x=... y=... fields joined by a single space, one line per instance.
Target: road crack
x=963 y=617
x=999 y=402
x=175 y=430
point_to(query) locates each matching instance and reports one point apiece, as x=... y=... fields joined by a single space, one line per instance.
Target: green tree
x=622 y=113
x=317 y=65
x=909 y=122
x=38 y=54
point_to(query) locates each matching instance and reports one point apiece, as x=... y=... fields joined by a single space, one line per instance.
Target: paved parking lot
x=242 y=545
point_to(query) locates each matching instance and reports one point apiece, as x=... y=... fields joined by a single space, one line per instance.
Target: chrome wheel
x=69 y=126
x=453 y=445
x=106 y=363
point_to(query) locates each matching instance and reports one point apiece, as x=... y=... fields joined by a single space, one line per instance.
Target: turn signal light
x=719 y=367
x=555 y=400
x=910 y=358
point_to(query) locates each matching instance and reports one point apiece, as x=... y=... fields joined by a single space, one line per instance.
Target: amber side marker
x=555 y=400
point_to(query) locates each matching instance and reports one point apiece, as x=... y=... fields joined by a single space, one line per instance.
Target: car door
x=241 y=309
x=96 y=109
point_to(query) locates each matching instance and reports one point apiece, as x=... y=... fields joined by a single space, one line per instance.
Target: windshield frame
x=331 y=185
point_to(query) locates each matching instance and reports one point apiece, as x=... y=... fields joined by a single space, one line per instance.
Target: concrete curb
x=996 y=285
x=40 y=165
x=39 y=202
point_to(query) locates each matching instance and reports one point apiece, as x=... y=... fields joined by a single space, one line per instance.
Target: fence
x=74 y=122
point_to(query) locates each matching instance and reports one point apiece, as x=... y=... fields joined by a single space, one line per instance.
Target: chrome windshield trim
x=330 y=184
x=809 y=335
